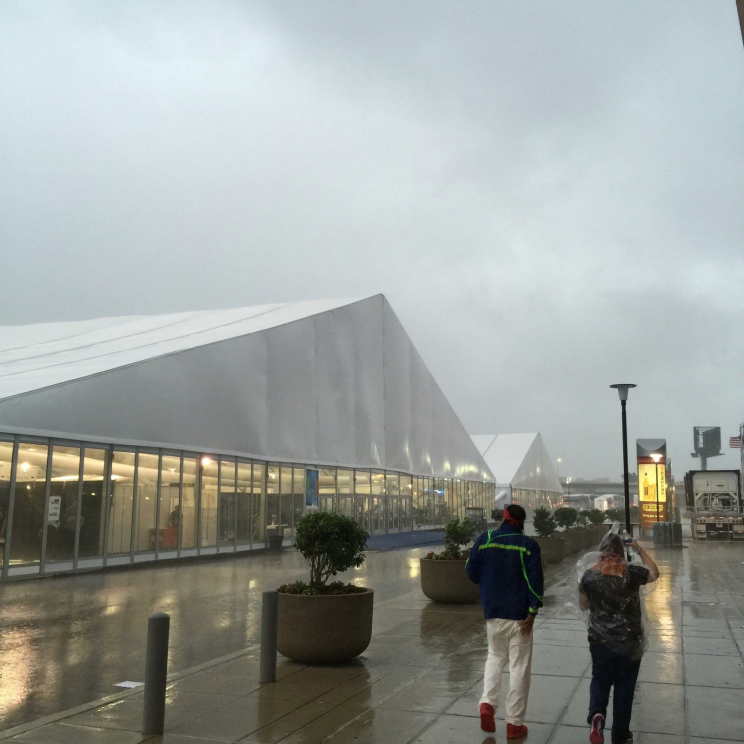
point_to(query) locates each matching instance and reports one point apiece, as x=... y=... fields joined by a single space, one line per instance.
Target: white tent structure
x=323 y=402
x=523 y=468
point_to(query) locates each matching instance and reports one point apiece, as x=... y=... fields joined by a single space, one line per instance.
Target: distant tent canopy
x=523 y=469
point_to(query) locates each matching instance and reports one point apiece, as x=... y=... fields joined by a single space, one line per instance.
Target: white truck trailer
x=714 y=504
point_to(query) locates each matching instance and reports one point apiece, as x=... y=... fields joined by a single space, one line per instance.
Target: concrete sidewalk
x=420 y=679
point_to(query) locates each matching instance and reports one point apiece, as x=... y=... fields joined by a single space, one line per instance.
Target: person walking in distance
x=506 y=565
x=610 y=591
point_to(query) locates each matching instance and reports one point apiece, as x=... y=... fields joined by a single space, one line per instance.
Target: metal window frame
x=47 y=494
x=196 y=457
x=157 y=503
x=229 y=546
x=43 y=442
x=163 y=453
x=11 y=506
x=249 y=493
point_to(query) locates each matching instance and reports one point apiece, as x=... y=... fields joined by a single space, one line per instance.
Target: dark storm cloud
x=549 y=193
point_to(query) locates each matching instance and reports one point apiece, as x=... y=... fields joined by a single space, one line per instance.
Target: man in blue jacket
x=506 y=564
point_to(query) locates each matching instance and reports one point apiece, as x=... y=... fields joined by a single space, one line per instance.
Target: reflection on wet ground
x=68 y=640
x=420 y=679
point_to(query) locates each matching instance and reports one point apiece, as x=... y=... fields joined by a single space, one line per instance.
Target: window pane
x=147 y=500
x=259 y=503
x=345 y=481
x=327 y=489
x=272 y=498
x=170 y=502
x=209 y=472
x=378 y=483
x=92 y=515
x=227 y=503
x=285 y=507
x=243 y=527
x=298 y=499
x=122 y=493
x=28 y=514
x=6 y=460
x=392 y=484
x=63 y=503
x=188 y=503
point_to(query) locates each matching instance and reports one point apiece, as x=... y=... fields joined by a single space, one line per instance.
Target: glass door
x=393 y=522
x=406 y=512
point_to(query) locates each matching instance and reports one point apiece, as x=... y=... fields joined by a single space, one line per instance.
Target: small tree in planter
x=457 y=532
x=443 y=576
x=566 y=517
x=322 y=623
x=582 y=519
x=551 y=545
x=331 y=543
x=544 y=521
x=596 y=517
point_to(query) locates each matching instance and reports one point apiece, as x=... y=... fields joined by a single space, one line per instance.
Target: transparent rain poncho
x=611 y=592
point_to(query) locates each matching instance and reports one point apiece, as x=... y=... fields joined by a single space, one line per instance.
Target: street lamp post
x=622 y=389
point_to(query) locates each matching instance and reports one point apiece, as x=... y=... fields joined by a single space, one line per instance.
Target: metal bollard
x=269 y=618
x=156 y=673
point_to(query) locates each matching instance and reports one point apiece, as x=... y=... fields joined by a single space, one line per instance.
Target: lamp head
x=622 y=389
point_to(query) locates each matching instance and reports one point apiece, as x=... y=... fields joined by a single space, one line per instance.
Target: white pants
x=507 y=644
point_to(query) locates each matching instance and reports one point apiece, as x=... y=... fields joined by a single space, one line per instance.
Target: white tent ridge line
x=333 y=382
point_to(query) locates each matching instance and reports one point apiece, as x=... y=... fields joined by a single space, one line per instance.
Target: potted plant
x=566 y=517
x=443 y=576
x=597 y=518
x=551 y=545
x=321 y=622
x=582 y=526
x=497 y=516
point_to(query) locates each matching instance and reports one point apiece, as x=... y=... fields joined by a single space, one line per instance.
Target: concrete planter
x=590 y=537
x=552 y=548
x=574 y=540
x=446 y=581
x=324 y=629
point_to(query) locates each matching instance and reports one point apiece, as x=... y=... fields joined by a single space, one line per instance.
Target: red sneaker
x=486 y=716
x=515 y=732
x=596 y=733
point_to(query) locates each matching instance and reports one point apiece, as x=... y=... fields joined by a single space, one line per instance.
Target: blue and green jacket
x=507 y=567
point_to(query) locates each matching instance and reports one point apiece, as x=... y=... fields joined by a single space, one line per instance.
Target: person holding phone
x=610 y=591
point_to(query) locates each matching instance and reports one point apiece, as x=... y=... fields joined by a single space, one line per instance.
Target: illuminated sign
x=652 y=492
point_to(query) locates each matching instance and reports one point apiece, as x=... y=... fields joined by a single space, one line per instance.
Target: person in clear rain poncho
x=610 y=592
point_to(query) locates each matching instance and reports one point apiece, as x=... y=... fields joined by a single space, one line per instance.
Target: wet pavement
x=419 y=682
x=69 y=640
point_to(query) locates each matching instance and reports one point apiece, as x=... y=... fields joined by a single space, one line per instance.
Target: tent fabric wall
x=330 y=383
x=518 y=461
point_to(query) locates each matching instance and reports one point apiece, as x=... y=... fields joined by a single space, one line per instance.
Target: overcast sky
x=550 y=194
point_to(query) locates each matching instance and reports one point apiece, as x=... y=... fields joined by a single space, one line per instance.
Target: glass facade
x=68 y=505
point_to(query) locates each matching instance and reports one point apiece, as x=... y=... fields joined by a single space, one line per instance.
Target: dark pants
x=610 y=668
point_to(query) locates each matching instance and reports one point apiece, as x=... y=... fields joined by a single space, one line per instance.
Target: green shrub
x=582 y=519
x=566 y=516
x=544 y=522
x=596 y=517
x=457 y=532
x=331 y=543
x=497 y=515
x=614 y=515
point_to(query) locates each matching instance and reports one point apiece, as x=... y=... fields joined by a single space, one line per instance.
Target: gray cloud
x=549 y=193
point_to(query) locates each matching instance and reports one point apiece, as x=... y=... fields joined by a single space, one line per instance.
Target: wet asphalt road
x=68 y=640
